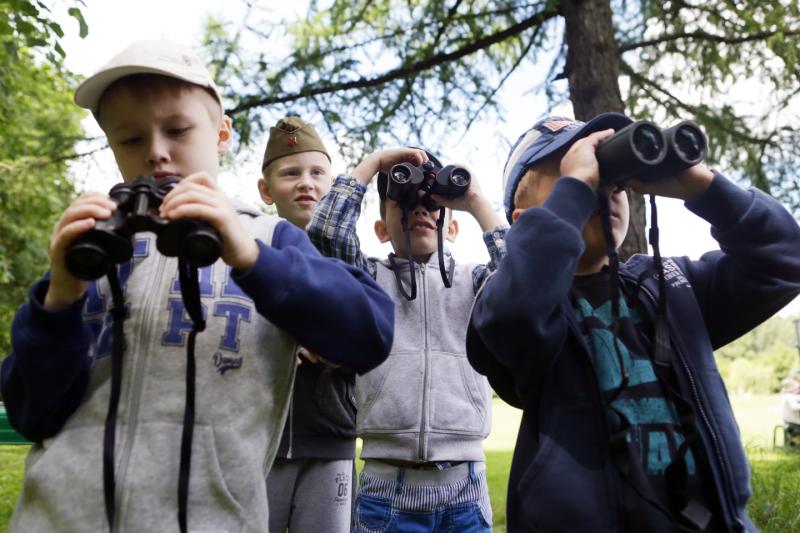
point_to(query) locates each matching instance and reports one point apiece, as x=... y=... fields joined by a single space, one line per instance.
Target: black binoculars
x=405 y=180
x=645 y=151
x=92 y=254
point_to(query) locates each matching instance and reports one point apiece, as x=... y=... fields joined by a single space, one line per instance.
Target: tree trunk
x=593 y=72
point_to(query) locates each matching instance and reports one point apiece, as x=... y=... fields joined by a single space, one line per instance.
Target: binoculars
x=405 y=180
x=93 y=253
x=645 y=151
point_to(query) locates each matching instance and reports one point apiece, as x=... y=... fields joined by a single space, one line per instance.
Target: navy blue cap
x=546 y=137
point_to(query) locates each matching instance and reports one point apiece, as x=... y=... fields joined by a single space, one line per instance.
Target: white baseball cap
x=145 y=57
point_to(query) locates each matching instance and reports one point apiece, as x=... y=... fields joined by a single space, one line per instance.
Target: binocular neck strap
x=661 y=348
x=447 y=274
x=190 y=292
x=613 y=280
x=109 y=432
x=412 y=267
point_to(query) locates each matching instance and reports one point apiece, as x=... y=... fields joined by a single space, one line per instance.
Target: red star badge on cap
x=292 y=140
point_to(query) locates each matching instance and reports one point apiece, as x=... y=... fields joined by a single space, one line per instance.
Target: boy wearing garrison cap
x=626 y=423
x=102 y=373
x=310 y=484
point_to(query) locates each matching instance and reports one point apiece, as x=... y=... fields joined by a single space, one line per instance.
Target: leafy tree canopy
x=39 y=125
x=382 y=70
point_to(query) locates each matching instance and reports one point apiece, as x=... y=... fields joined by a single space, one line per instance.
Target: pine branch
x=651 y=88
x=400 y=72
x=705 y=36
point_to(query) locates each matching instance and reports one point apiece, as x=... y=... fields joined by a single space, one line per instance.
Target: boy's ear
x=381 y=231
x=452 y=230
x=515 y=214
x=225 y=134
x=263 y=189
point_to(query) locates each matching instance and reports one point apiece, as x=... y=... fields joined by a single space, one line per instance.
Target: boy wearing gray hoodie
x=103 y=373
x=424 y=413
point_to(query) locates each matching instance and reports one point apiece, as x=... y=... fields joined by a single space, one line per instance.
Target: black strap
x=411 y=263
x=613 y=280
x=447 y=274
x=190 y=292
x=686 y=510
x=109 y=432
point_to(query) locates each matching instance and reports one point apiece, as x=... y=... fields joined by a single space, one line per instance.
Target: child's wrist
x=365 y=170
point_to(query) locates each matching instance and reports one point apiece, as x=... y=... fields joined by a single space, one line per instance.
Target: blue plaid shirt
x=333 y=230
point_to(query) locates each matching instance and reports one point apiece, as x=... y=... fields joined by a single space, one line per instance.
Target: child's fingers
x=189 y=194
x=598 y=137
x=200 y=180
x=63 y=235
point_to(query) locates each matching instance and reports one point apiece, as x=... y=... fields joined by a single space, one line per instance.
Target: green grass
x=12 y=465
x=776 y=474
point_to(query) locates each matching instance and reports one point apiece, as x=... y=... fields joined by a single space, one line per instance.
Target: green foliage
x=757 y=361
x=732 y=66
x=25 y=23
x=39 y=126
x=423 y=71
x=441 y=66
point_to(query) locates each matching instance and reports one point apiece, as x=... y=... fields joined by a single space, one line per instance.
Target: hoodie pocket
x=152 y=478
x=333 y=396
x=567 y=478
x=460 y=398
x=390 y=397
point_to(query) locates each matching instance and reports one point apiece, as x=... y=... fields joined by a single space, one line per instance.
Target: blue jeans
x=422 y=504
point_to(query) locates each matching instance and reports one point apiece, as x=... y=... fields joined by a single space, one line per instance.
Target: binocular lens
x=87 y=261
x=648 y=142
x=460 y=177
x=689 y=142
x=201 y=248
x=400 y=174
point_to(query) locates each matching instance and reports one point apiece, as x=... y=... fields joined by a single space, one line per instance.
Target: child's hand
x=384 y=160
x=78 y=218
x=198 y=197
x=313 y=357
x=580 y=161
x=686 y=185
x=473 y=202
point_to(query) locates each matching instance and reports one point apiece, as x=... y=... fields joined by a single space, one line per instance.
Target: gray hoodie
x=245 y=370
x=425 y=402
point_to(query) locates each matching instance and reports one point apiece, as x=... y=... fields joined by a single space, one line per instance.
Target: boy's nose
x=305 y=183
x=157 y=152
x=422 y=211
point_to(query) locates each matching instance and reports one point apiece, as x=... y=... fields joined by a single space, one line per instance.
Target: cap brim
x=89 y=92
x=601 y=122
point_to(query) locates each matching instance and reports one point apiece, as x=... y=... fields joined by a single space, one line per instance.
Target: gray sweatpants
x=310 y=495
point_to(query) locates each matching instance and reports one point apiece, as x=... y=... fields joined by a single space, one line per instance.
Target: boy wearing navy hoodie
x=626 y=423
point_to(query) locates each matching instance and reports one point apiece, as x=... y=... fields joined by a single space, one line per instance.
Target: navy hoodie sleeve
x=756 y=272
x=45 y=376
x=332 y=308
x=518 y=321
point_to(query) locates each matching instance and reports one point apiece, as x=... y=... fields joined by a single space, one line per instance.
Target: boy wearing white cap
x=163 y=118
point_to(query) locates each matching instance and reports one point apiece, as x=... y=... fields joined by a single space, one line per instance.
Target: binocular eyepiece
x=645 y=151
x=405 y=180
x=93 y=253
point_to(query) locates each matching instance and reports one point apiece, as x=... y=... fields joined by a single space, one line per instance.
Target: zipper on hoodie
x=135 y=390
x=725 y=470
x=422 y=451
